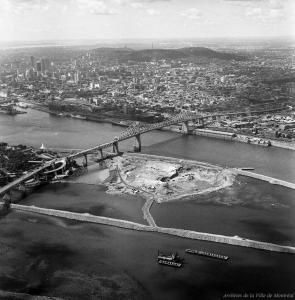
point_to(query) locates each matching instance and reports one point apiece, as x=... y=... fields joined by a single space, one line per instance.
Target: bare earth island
x=165 y=179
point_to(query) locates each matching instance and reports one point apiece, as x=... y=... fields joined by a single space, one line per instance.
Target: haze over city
x=124 y=19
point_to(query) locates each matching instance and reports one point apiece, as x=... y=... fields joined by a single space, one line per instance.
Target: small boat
x=31 y=183
x=78 y=117
x=57 y=178
x=207 y=254
x=172 y=260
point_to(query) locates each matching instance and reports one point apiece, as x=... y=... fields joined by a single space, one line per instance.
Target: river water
x=35 y=128
x=51 y=256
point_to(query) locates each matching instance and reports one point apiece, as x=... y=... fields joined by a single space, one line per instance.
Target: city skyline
x=35 y=20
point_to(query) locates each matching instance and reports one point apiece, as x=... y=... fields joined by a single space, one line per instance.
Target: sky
x=34 y=20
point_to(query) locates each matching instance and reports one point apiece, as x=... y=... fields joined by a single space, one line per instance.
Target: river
x=55 y=257
x=35 y=128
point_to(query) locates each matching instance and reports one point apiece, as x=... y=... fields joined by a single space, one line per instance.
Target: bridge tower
x=85 y=163
x=137 y=146
x=186 y=128
x=101 y=153
x=116 y=146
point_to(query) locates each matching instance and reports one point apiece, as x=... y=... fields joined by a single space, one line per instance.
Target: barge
x=207 y=254
x=172 y=260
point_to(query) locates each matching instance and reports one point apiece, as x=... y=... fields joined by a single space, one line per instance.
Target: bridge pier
x=137 y=146
x=101 y=153
x=116 y=147
x=185 y=128
x=86 y=161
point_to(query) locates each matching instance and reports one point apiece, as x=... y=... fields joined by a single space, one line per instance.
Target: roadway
x=23 y=178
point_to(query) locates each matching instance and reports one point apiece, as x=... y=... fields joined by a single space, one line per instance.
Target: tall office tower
x=38 y=67
x=42 y=65
x=76 y=77
x=45 y=64
x=33 y=61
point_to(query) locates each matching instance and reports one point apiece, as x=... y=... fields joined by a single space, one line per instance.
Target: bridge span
x=25 y=177
x=135 y=130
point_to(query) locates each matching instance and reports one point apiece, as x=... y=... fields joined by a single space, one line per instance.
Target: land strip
x=265 y=178
x=148 y=202
x=235 y=240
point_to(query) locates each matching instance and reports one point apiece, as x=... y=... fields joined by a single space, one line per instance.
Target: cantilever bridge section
x=135 y=130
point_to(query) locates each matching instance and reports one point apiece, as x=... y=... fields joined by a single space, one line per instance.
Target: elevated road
x=135 y=130
x=24 y=178
x=139 y=128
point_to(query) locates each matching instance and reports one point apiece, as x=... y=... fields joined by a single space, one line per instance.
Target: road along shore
x=235 y=240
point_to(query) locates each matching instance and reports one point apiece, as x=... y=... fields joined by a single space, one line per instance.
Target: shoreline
x=102 y=178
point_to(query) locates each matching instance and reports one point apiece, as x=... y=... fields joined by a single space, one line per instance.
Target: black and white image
x=147 y=149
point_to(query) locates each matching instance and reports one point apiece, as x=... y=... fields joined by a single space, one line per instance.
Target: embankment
x=171 y=159
x=265 y=178
x=237 y=241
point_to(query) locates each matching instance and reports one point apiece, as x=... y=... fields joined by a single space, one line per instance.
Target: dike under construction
x=85 y=217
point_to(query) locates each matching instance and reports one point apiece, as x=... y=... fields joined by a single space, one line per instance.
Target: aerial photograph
x=147 y=149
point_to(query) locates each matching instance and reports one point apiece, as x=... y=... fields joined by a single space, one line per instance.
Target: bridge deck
x=129 y=133
x=21 y=179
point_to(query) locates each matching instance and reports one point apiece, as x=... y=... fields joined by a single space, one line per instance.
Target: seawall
x=265 y=178
x=237 y=241
x=170 y=159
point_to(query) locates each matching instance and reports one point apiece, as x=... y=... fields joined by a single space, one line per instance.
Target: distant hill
x=125 y=54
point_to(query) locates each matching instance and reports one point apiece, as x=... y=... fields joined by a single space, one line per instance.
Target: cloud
x=23 y=6
x=96 y=7
x=152 y=12
x=138 y=2
x=263 y=10
x=265 y=14
x=192 y=13
x=137 y=5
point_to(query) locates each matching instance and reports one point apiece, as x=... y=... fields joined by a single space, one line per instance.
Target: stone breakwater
x=265 y=178
x=172 y=160
x=237 y=241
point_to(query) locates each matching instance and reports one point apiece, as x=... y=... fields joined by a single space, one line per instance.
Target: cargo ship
x=172 y=260
x=207 y=254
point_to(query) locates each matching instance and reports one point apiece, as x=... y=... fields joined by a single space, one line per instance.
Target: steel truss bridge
x=135 y=130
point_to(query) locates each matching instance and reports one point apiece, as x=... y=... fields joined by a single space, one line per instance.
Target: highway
x=23 y=178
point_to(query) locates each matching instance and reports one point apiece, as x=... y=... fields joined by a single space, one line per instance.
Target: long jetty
x=209 y=237
x=271 y=180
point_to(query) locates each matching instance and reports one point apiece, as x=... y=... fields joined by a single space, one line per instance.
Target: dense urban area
x=149 y=85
